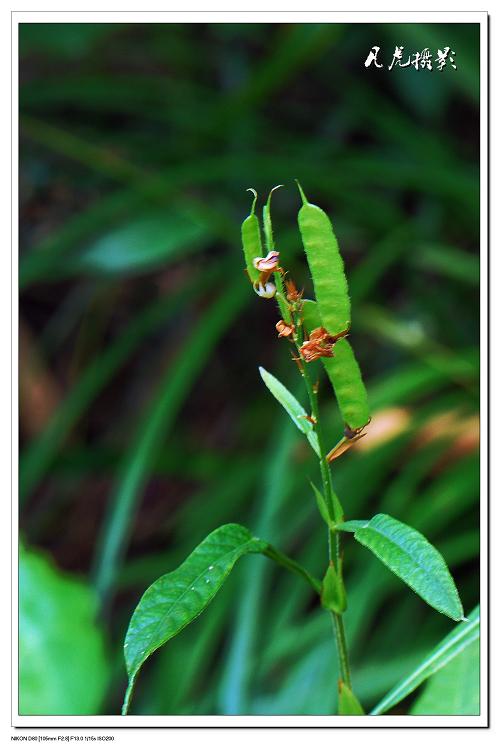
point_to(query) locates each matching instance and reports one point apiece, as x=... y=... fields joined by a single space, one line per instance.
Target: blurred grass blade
x=295 y=410
x=38 y=456
x=158 y=419
x=177 y=598
x=412 y=558
x=146 y=242
x=455 y=690
x=448 y=649
x=243 y=659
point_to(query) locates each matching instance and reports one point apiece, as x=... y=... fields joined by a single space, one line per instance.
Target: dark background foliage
x=144 y=423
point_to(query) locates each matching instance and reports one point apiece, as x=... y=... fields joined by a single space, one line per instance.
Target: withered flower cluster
x=320 y=344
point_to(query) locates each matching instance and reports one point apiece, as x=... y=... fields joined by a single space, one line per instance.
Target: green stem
x=293 y=566
x=334 y=543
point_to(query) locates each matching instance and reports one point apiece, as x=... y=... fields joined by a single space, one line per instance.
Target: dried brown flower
x=320 y=344
x=293 y=295
x=284 y=329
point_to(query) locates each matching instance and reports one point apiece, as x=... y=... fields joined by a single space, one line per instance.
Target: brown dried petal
x=284 y=329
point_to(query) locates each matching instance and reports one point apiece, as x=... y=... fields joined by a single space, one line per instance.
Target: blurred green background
x=144 y=423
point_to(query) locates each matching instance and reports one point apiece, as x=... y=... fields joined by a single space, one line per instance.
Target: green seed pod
x=267 y=222
x=269 y=244
x=345 y=376
x=326 y=266
x=310 y=314
x=252 y=242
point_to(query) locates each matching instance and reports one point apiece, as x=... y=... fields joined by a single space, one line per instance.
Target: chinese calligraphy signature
x=417 y=60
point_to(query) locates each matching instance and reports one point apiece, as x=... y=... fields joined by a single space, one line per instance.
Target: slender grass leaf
x=459 y=639
x=326 y=266
x=348 y=704
x=409 y=555
x=293 y=407
x=455 y=690
x=345 y=376
x=177 y=598
x=158 y=418
x=249 y=612
x=38 y=456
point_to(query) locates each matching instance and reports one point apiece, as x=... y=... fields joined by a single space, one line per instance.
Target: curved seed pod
x=252 y=243
x=326 y=266
x=267 y=222
x=345 y=376
x=269 y=244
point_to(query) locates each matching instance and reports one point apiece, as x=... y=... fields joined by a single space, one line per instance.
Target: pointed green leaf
x=322 y=507
x=348 y=704
x=459 y=639
x=333 y=596
x=346 y=379
x=455 y=690
x=412 y=558
x=326 y=266
x=292 y=406
x=177 y=598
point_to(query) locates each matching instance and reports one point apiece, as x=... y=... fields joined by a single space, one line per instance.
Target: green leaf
x=322 y=507
x=177 y=598
x=346 y=379
x=459 y=639
x=333 y=595
x=348 y=704
x=324 y=511
x=326 y=266
x=62 y=659
x=409 y=555
x=455 y=690
x=292 y=406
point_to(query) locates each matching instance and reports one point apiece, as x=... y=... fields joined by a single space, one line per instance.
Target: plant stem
x=334 y=543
